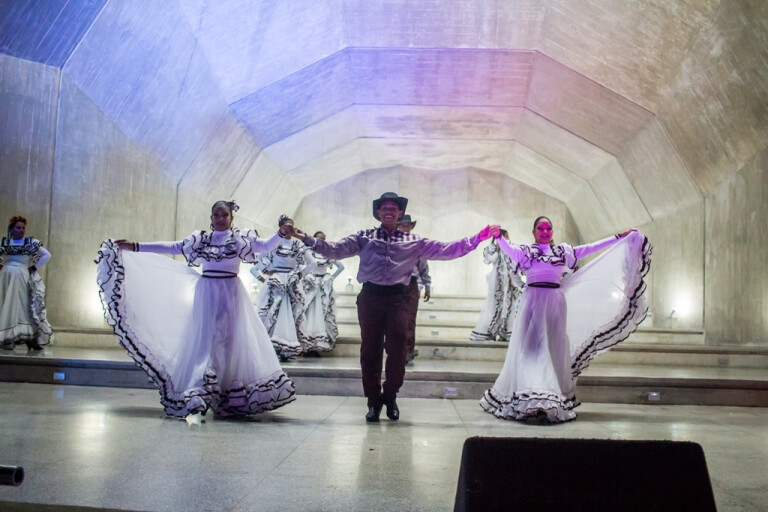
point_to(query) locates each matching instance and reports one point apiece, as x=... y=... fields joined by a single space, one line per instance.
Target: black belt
x=218 y=274
x=544 y=285
x=384 y=289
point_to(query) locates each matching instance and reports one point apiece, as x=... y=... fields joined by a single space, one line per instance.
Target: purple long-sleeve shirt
x=388 y=258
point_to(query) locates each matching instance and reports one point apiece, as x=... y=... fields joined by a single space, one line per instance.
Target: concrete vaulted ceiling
x=269 y=101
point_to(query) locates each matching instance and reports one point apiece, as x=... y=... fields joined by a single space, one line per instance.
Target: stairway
x=653 y=366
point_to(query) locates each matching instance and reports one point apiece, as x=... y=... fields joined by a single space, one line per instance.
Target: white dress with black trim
x=281 y=299
x=564 y=319
x=320 y=328
x=504 y=287
x=197 y=336
x=23 y=315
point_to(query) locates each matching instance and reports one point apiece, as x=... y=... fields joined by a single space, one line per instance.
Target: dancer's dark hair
x=13 y=220
x=231 y=206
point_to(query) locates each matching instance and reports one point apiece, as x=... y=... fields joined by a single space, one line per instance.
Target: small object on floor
x=195 y=419
x=393 y=412
x=373 y=414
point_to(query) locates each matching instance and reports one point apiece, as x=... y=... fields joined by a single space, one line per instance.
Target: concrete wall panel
x=716 y=108
x=258 y=186
x=223 y=161
x=562 y=147
x=29 y=96
x=613 y=42
x=676 y=280
x=253 y=44
x=464 y=24
x=736 y=294
x=440 y=76
x=314 y=141
x=619 y=198
x=45 y=32
x=583 y=107
x=105 y=186
x=297 y=101
x=140 y=63
x=439 y=122
x=658 y=175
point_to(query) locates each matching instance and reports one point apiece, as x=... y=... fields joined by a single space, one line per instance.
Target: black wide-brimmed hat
x=402 y=202
x=406 y=219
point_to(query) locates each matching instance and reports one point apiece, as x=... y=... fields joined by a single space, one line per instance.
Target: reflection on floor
x=112 y=448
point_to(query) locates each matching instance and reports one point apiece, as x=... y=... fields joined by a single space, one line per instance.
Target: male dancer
x=419 y=277
x=387 y=259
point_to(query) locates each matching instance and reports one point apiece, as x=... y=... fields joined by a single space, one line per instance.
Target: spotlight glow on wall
x=682 y=305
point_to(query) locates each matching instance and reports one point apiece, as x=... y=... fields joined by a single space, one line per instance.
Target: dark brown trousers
x=383 y=316
x=413 y=310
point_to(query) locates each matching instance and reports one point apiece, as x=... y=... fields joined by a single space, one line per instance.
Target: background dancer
x=23 y=317
x=387 y=259
x=281 y=299
x=562 y=324
x=419 y=278
x=197 y=336
x=320 y=328
x=504 y=287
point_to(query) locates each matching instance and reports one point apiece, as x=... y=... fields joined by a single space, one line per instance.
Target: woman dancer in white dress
x=281 y=299
x=563 y=322
x=504 y=287
x=320 y=328
x=22 y=292
x=197 y=336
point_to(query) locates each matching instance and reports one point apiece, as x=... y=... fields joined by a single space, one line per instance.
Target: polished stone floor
x=112 y=448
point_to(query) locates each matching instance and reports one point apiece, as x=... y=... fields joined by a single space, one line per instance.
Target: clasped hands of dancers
x=220 y=355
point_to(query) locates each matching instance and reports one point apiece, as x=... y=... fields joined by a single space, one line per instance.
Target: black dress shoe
x=373 y=414
x=393 y=412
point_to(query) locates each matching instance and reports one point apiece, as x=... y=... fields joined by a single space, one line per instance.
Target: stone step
x=623 y=354
x=432 y=330
x=424 y=316
x=334 y=375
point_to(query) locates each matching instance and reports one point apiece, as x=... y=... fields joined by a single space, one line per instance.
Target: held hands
x=299 y=234
x=490 y=231
x=125 y=245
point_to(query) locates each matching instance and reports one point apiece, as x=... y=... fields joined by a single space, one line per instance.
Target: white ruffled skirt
x=281 y=309
x=557 y=331
x=199 y=339
x=491 y=308
x=320 y=328
x=23 y=316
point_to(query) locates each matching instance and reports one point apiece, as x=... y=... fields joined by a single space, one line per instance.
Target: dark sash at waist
x=279 y=270
x=218 y=274
x=544 y=285
x=384 y=289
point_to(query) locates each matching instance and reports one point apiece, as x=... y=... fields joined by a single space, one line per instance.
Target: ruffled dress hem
x=241 y=399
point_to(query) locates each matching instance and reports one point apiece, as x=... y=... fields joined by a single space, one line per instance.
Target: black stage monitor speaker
x=584 y=475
